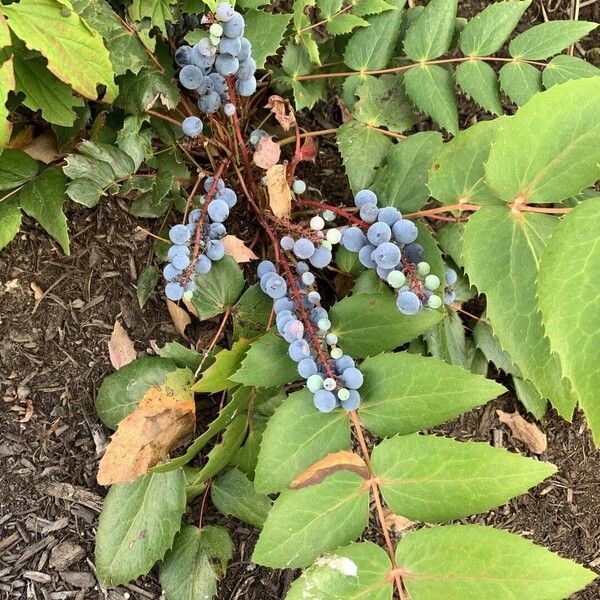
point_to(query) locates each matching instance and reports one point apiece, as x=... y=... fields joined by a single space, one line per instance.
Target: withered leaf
x=336 y=461
x=280 y=195
x=282 y=111
x=120 y=347
x=524 y=431
x=237 y=249
x=181 y=319
x=267 y=153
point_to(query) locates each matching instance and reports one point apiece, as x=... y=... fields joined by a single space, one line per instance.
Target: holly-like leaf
x=431 y=34
x=564 y=67
x=196 y=562
x=227 y=362
x=371 y=7
x=265 y=31
x=520 y=81
x=344 y=23
x=505 y=268
x=433 y=479
x=304 y=523
x=549 y=38
x=488 y=343
x=566 y=281
x=349 y=573
x=134 y=140
x=183 y=357
x=158 y=11
x=16 y=168
x=297 y=435
x=251 y=313
x=536 y=159
x=404 y=393
x=477 y=79
x=530 y=398
x=76 y=53
x=10 y=222
x=234 y=494
x=402 y=181
x=140 y=92
x=42 y=198
x=295 y=62
x=487 y=31
x=363 y=151
x=146 y=284
x=431 y=88
x=128 y=542
x=447 y=341
x=470 y=562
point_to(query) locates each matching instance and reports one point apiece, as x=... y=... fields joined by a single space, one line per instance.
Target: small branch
x=156 y=237
x=541 y=209
x=164 y=117
x=335 y=209
x=441 y=209
x=324 y=21
x=308 y=134
x=192 y=194
x=392 y=134
x=214 y=340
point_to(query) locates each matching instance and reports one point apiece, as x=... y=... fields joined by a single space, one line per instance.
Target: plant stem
x=324 y=21
x=335 y=209
x=164 y=117
x=308 y=134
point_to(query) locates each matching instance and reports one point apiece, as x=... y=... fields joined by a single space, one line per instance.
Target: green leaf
x=121 y=392
x=363 y=151
x=158 y=11
x=447 y=341
x=42 y=198
x=10 y=222
x=535 y=158
x=198 y=559
x=488 y=343
x=487 y=31
x=566 y=282
x=349 y=573
x=404 y=393
x=530 y=398
x=265 y=31
x=371 y=7
x=328 y=8
x=472 y=562
x=43 y=91
x=564 y=67
x=477 y=79
x=520 y=81
x=183 y=357
x=16 y=168
x=146 y=284
x=547 y=39
x=227 y=362
x=307 y=522
x=297 y=435
x=7 y=84
x=219 y=289
x=344 y=23
x=504 y=267
x=76 y=53
x=135 y=141
x=458 y=172
x=140 y=92
x=433 y=479
x=373 y=47
x=431 y=88
x=234 y=494
x=267 y=363
x=295 y=62
x=251 y=313
x=432 y=32
x=402 y=181
x=382 y=103
x=128 y=541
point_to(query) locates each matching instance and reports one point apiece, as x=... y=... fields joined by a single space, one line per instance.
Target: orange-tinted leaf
x=120 y=347
x=524 y=431
x=337 y=461
x=237 y=249
x=308 y=150
x=280 y=195
x=267 y=154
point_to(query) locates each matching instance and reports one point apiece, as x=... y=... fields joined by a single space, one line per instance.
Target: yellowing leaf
x=237 y=249
x=337 y=461
x=165 y=416
x=7 y=83
x=120 y=347
x=280 y=196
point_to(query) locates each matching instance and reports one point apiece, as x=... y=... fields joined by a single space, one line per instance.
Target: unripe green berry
x=326 y=244
x=334 y=236
x=396 y=279
x=423 y=268
x=432 y=282
x=329 y=384
x=328 y=215
x=343 y=394
x=336 y=353
x=188 y=295
x=314 y=383
x=216 y=30
x=434 y=301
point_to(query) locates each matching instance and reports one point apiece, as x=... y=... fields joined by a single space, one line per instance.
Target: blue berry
x=451 y=276
x=314 y=297
x=192 y=126
x=386 y=255
x=408 y=302
x=264 y=267
x=275 y=286
x=224 y=12
x=179 y=234
x=302 y=268
x=353 y=239
x=203 y=265
x=344 y=362
x=170 y=272
x=229 y=109
x=174 y=291
x=363 y=197
x=229 y=196
x=320 y=258
x=218 y=211
x=405 y=231
x=246 y=49
x=293 y=330
x=210 y=102
x=378 y=233
x=247 y=68
x=225 y=64
x=389 y=215
x=352 y=378
x=183 y=55
x=364 y=256
x=256 y=136
x=181 y=261
x=190 y=77
x=369 y=212
x=324 y=401
x=287 y=242
x=307 y=278
x=304 y=248
x=307 y=367
x=353 y=401
x=413 y=253
x=216 y=231
x=298 y=350
x=231 y=46
x=176 y=250
x=282 y=304
x=234 y=27
x=449 y=296
x=215 y=250
x=246 y=87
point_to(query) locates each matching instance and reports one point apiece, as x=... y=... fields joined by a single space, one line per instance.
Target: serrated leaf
x=297 y=435
x=372 y=47
x=265 y=31
x=140 y=92
x=564 y=67
x=227 y=362
x=121 y=392
x=10 y=222
x=382 y=103
x=76 y=53
x=470 y=562
x=128 y=542
x=219 y=289
x=530 y=398
x=349 y=573
x=488 y=343
x=566 y=281
x=536 y=159
x=158 y=11
x=246 y=456
x=251 y=313
x=520 y=81
x=402 y=181
x=505 y=268
x=458 y=171
x=344 y=23
x=447 y=341
x=16 y=168
x=433 y=479
x=328 y=8
x=487 y=31
x=404 y=393
x=304 y=523
x=295 y=62
x=371 y=7
x=146 y=284
x=42 y=198
x=549 y=38
x=363 y=150
x=198 y=559
x=431 y=88
x=432 y=32
x=183 y=357
x=134 y=140
x=234 y=494
x=477 y=79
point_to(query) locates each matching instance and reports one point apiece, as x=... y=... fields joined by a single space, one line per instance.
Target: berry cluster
x=204 y=66
x=390 y=247
x=197 y=244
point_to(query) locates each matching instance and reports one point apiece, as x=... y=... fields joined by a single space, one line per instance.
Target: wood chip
x=120 y=347
x=524 y=431
x=65 y=554
x=280 y=195
x=76 y=494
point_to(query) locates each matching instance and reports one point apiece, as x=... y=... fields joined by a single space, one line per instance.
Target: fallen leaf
x=282 y=111
x=237 y=249
x=165 y=416
x=280 y=195
x=28 y=412
x=308 y=150
x=38 y=294
x=267 y=153
x=120 y=347
x=524 y=431
x=337 y=461
x=181 y=319
x=23 y=138
x=43 y=148
x=396 y=523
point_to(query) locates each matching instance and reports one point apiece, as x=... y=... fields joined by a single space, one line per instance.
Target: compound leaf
x=520 y=81
x=477 y=79
x=265 y=31
x=564 y=67
x=16 y=168
x=216 y=377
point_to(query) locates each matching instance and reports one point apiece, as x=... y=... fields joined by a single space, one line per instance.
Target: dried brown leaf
x=282 y=111
x=44 y=148
x=120 y=347
x=396 y=523
x=181 y=319
x=524 y=431
x=337 y=461
x=267 y=153
x=280 y=195
x=237 y=249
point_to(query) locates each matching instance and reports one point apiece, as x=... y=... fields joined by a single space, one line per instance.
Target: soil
x=56 y=316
